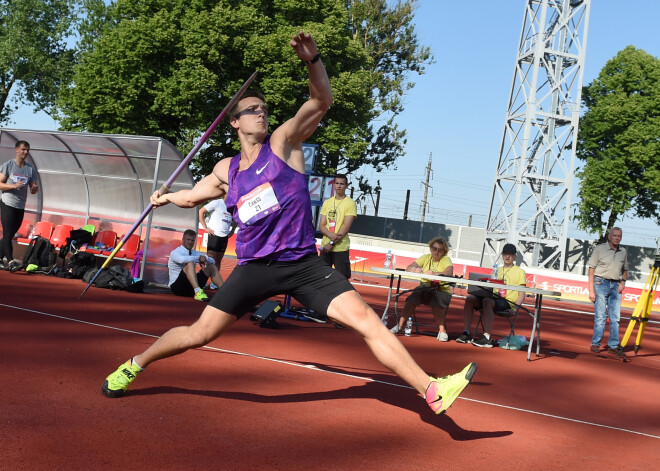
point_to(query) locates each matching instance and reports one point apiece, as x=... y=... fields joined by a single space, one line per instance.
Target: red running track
x=306 y=396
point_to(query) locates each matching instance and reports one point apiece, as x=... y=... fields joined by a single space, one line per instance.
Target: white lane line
x=314 y=367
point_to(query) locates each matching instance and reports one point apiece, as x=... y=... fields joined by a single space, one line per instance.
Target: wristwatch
x=332 y=242
x=313 y=60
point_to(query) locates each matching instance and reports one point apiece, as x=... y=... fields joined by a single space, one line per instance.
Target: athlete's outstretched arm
x=308 y=117
x=208 y=188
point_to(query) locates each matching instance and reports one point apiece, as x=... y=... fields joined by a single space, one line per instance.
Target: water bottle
x=408 y=329
x=388 y=260
x=493 y=274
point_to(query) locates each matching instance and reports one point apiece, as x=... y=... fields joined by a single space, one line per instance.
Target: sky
x=456 y=111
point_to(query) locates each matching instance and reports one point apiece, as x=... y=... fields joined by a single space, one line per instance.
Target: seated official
x=184 y=280
x=503 y=300
x=432 y=293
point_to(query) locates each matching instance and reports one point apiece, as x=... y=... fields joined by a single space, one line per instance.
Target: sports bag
x=40 y=252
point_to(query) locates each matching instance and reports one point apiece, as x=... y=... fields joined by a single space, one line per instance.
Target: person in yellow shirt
x=337 y=216
x=503 y=301
x=436 y=295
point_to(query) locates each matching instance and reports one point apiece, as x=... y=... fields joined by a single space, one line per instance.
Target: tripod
x=644 y=305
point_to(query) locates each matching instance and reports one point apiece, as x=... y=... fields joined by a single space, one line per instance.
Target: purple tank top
x=271 y=205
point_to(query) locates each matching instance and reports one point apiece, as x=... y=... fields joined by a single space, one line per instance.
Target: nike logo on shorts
x=328 y=276
x=262 y=168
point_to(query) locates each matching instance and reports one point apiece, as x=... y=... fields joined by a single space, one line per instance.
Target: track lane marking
x=314 y=367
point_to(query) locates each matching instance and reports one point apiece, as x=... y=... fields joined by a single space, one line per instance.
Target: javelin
x=166 y=186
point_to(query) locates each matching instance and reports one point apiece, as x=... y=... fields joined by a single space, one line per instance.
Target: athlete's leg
x=349 y=309
x=210 y=325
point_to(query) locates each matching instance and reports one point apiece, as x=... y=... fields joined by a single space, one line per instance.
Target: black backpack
x=79 y=264
x=115 y=277
x=40 y=252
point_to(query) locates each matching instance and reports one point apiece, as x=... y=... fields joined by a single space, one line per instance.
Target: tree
x=619 y=141
x=166 y=67
x=388 y=35
x=34 y=57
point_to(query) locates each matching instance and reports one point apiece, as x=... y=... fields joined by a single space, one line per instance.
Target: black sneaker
x=482 y=342
x=463 y=338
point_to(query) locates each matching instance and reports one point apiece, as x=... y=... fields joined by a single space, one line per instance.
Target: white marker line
x=562 y=418
x=313 y=367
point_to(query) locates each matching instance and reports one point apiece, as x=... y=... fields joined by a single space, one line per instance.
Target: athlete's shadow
x=403 y=397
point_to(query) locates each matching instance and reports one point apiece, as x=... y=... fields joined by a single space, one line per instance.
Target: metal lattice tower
x=531 y=196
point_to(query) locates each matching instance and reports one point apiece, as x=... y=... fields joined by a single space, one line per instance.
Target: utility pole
x=426 y=186
x=405 y=208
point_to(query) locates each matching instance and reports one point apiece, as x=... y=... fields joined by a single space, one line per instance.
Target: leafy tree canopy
x=167 y=67
x=34 y=57
x=619 y=141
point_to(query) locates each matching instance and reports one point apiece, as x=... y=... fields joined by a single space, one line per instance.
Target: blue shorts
x=310 y=281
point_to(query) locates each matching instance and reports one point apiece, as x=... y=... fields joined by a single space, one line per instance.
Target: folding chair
x=42 y=228
x=416 y=324
x=129 y=249
x=60 y=235
x=103 y=241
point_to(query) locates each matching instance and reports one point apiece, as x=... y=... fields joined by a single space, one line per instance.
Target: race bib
x=20 y=178
x=257 y=204
x=331 y=225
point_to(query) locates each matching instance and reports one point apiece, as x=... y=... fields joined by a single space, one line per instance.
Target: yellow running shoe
x=442 y=392
x=116 y=384
x=201 y=296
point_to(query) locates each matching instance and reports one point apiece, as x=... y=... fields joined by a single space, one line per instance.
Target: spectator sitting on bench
x=504 y=301
x=184 y=281
x=436 y=295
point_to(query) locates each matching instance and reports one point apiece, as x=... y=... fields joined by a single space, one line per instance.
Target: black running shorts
x=217 y=244
x=310 y=281
x=340 y=260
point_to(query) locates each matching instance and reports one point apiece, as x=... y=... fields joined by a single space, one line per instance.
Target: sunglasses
x=252 y=110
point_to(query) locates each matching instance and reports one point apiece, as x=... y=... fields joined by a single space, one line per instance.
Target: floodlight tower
x=531 y=196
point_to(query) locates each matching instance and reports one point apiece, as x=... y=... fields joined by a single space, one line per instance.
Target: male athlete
x=268 y=197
